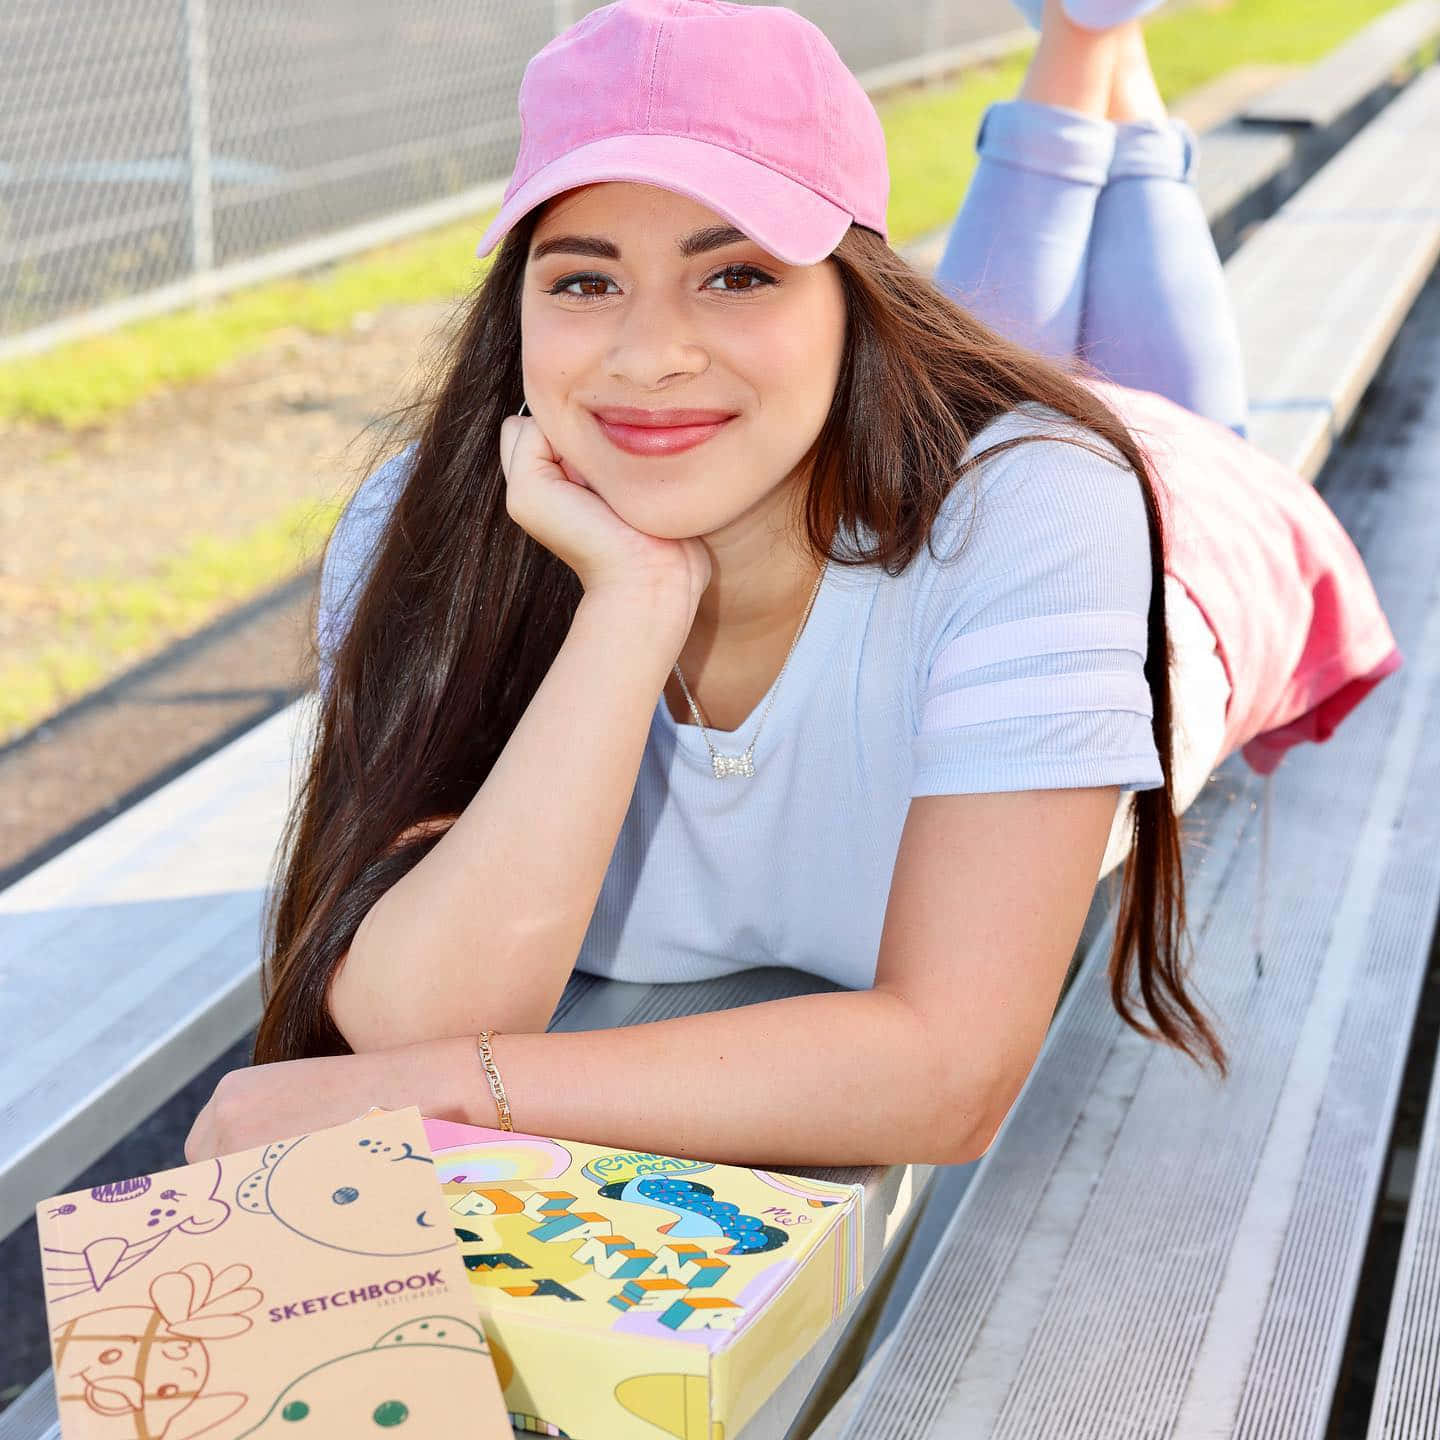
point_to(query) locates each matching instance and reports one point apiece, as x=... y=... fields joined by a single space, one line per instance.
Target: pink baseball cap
x=746 y=108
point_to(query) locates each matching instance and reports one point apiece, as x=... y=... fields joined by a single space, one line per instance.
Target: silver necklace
x=744 y=763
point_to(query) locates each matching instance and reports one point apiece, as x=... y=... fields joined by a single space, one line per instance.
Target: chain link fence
x=154 y=152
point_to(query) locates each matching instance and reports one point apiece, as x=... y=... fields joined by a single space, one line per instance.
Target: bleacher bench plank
x=1236 y=162
x=1406 y=1403
x=1144 y=1251
x=1407 y=1388
x=911 y=1380
x=171 y=890
x=1339 y=264
x=1323 y=92
x=167 y=895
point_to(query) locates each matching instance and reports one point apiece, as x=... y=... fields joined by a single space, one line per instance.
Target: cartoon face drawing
x=352 y=1204
x=407 y=1382
x=140 y=1370
x=118 y=1225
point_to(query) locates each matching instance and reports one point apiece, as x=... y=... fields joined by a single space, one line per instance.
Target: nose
x=654 y=342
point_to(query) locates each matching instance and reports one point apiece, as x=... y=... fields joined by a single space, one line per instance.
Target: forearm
x=848 y=1077
x=484 y=931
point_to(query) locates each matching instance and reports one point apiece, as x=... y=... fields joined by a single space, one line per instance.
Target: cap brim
x=783 y=216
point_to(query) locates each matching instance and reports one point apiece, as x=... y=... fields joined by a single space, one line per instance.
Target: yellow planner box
x=629 y=1296
x=310 y=1287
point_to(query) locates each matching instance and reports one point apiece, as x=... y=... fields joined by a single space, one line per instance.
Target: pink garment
x=1297 y=622
x=748 y=109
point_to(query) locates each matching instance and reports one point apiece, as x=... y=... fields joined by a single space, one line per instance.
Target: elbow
x=973 y=1121
x=380 y=1004
x=971 y=1094
x=345 y=1015
x=357 y=1012
x=973 y=1145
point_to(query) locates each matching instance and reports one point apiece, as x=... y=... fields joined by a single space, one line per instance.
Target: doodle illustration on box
x=621 y=1165
x=353 y=1201
x=678 y=1404
x=485 y=1259
x=516 y=1157
x=699 y=1214
x=796 y=1185
x=403 y=1382
x=671 y=1280
x=120 y=1224
x=143 y=1368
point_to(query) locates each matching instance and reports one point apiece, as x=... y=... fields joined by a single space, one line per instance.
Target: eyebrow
x=698 y=242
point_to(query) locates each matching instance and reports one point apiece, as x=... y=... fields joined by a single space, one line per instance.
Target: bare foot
x=1073 y=67
x=1134 y=95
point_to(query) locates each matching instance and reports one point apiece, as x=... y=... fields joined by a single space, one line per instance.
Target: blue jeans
x=1083 y=236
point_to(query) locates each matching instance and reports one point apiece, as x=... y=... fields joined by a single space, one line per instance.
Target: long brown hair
x=463 y=613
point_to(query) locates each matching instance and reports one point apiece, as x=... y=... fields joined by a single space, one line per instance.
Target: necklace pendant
x=724 y=765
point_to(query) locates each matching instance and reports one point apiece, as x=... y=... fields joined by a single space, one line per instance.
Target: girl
x=743 y=599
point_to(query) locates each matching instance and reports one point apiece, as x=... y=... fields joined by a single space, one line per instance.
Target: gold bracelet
x=497 y=1086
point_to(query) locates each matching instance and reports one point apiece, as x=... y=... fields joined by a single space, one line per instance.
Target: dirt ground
x=219 y=458
x=216 y=458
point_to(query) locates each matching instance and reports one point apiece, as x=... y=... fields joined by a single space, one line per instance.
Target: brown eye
x=110 y=1356
x=743 y=272
x=165 y=1391
x=562 y=287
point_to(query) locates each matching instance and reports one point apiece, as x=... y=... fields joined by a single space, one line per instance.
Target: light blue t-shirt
x=1015 y=664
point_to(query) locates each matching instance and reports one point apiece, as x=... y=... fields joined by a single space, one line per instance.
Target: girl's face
x=618 y=314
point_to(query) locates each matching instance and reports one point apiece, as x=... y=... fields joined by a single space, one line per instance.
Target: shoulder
x=350 y=550
x=1056 y=522
x=1052 y=457
x=376 y=494
x=1031 y=619
x=353 y=539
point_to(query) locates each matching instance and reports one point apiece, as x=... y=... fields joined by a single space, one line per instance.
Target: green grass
x=108 y=622
x=83 y=382
x=113 y=621
x=1192 y=47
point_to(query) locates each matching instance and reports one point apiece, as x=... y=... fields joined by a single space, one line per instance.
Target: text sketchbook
x=312 y=1287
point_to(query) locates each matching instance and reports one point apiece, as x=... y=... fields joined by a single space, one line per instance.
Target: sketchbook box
x=631 y=1296
x=311 y=1287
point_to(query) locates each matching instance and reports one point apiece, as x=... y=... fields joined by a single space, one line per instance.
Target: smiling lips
x=658 y=432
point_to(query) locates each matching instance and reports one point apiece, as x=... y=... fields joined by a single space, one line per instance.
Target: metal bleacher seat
x=1323 y=93
x=1363 y=234
x=1253 y=161
x=1405 y=1392
x=162 y=905
x=1144 y=1250
x=159 y=910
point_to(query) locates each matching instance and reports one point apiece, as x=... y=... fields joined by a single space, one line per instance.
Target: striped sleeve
x=349 y=554
x=1031 y=632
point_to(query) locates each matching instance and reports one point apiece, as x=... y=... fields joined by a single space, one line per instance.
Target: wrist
x=493 y=1079
x=449 y=1081
x=655 y=616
